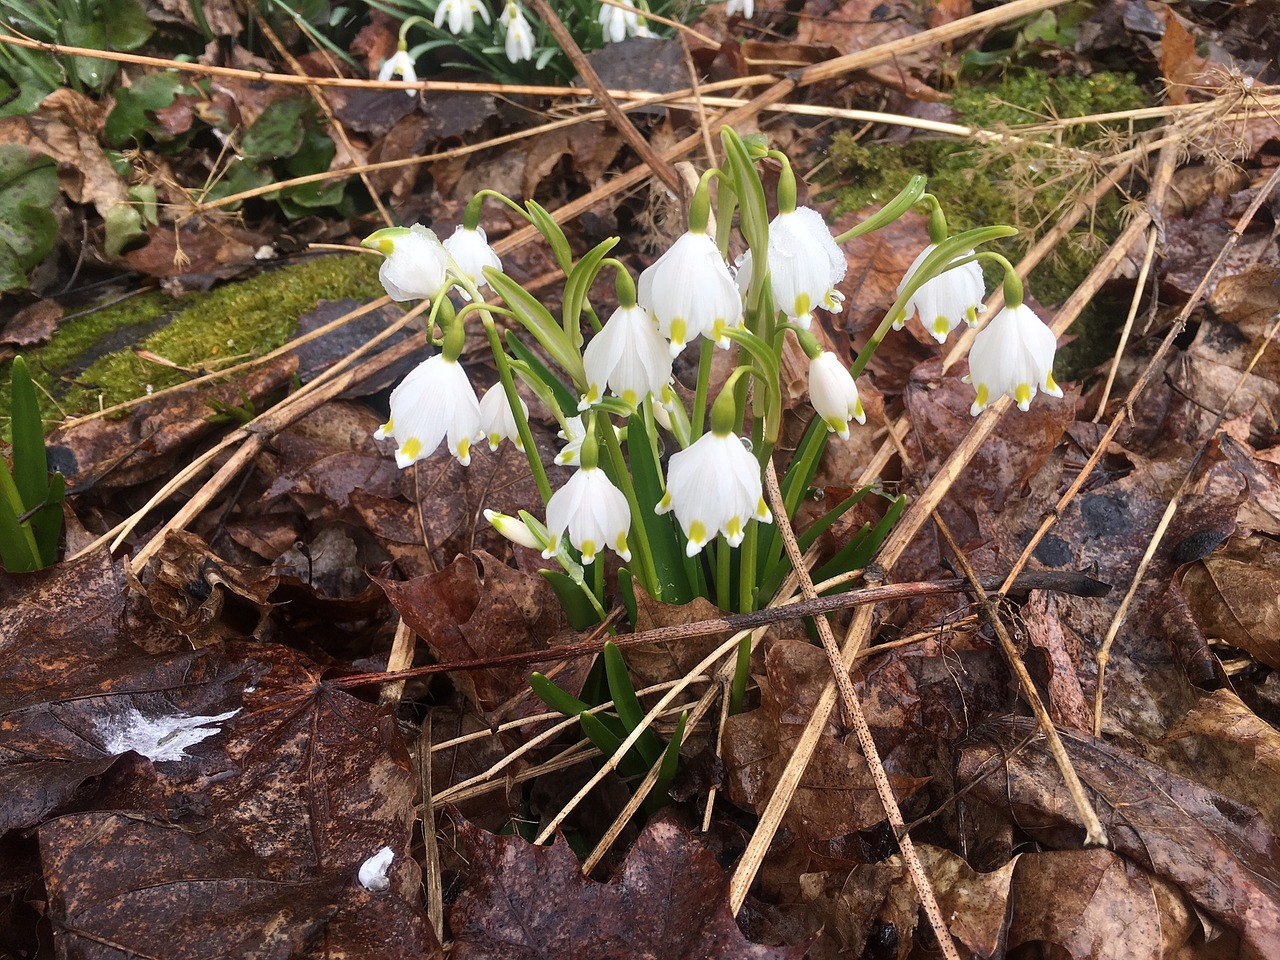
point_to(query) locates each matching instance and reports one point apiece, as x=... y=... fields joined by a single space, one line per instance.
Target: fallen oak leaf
x=667 y=902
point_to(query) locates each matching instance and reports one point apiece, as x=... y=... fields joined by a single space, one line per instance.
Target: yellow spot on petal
x=464 y=451
x=762 y=511
x=411 y=448
x=664 y=504
x=679 y=330
x=941 y=326
x=858 y=413
x=588 y=549
x=971 y=316
x=983 y=395
x=384 y=431
x=698 y=532
x=733 y=529
x=621 y=548
x=494 y=440
x=802 y=305
x=629 y=398
x=1051 y=385
x=1023 y=395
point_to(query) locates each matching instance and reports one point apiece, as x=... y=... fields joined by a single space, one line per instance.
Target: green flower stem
x=767 y=367
x=1013 y=292
x=513 y=398
x=478 y=200
x=906 y=199
x=786 y=183
x=644 y=568
x=747 y=585
x=726 y=203
x=700 y=204
x=623 y=285
x=699 y=422
x=404 y=30
x=937 y=219
x=741 y=673
x=724 y=574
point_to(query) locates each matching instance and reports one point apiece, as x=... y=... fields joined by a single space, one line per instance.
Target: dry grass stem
x=1139 y=287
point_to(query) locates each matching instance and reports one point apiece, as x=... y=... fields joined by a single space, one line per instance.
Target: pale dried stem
x=854 y=716
x=1103 y=655
x=432 y=877
x=1139 y=287
x=400 y=658
x=322 y=102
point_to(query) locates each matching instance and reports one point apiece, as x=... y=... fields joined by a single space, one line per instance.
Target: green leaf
x=279 y=130
x=577 y=608
x=595 y=727
x=565 y=399
x=548 y=227
x=664 y=542
x=127 y=25
x=123 y=224
x=240 y=175
x=539 y=322
x=91 y=71
x=28 y=229
x=627 y=704
x=46 y=525
x=671 y=760
x=30 y=86
x=578 y=286
x=30 y=464
x=862 y=548
x=129 y=117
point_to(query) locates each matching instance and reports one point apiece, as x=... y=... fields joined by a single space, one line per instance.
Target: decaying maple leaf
x=667 y=902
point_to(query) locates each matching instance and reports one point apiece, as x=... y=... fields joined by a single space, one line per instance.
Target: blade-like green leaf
x=627 y=704
x=30 y=464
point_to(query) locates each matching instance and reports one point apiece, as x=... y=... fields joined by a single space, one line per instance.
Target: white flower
x=619 y=23
x=519 y=33
x=573 y=434
x=714 y=487
x=690 y=293
x=461 y=15
x=471 y=254
x=593 y=511
x=497 y=420
x=435 y=399
x=400 y=65
x=514 y=529
x=746 y=7
x=834 y=394
x=629 y=355
x=1012 y=354
x=945 y=300
x=415 y=262
x=805 y=264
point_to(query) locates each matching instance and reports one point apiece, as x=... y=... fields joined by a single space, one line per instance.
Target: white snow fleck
x=156 y=738
x=373 y=872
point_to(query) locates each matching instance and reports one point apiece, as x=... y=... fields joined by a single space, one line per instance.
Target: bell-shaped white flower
x=514 y=529
x=834 y=394
x=593 y=511
x=400 y=65
x=415 y=263
x=746 y=7
x=1012 y=354
x=690 y=292
x=713 y=487
x=805 y=264
x=629 y=356
x=496 y=419
x=519 y=42
x=618 y=23
x=434 y=401
x=461 y=15
x=946 y=299
x=471 y=254
x=573 y=434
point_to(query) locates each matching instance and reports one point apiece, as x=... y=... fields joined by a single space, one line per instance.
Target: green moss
x=91 y=361
x=1024 y=186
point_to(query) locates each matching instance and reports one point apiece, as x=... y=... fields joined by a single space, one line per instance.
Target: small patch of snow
x=373 y=872
x=157 y=738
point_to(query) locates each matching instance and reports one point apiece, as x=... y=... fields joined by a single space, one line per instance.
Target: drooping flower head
x=746 y=7
x=415 y=264
x=805 y=264
x=945 y=300
x=834 y=394
x=618 y=23
x=401 y=65
x=1013 y=354
x=593 y=511
x=434 y=401
x=497 y=422
x=461 y=15
x=519 y=41
x=713 y=486
x=629 y=356
x=574 y=432
x=690 y=292
x=471 y=253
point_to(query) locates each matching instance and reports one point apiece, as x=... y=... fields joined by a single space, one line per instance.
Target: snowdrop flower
x=805 y=264
x=436 y=399
x=573 y=434
x=834 y=394
x=497 y=420
x=1012 y=354
x=400 y=65
x=514 y=529
x=690 y=293
x=746 y=7
x=461 y=15
x=629 y=355
x=618 y=23
x=471 y=254
x=713 y=487
x=593 y=511
x=415 y=265
x=519 y=33
x=946 y=299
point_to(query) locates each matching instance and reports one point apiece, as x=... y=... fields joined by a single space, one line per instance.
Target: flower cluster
x=642 y=445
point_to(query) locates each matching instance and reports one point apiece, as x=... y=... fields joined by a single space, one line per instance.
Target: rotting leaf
x=463 y=614
x=1234 y=594
x=667 y=900
x=1220 y=852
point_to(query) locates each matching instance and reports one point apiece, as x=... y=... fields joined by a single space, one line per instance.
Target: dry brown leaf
x=1235 y=596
